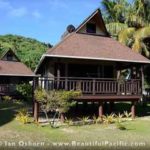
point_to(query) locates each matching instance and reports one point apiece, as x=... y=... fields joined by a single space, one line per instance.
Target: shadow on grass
x=119 y=107
x=8 y=112
x=141 y=110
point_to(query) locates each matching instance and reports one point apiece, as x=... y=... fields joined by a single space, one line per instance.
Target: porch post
x=101 y=109
x=133 y=109
x=35 y=103
x=36 y=111
x=58 y=75
x=142 y=80
x=66 y=76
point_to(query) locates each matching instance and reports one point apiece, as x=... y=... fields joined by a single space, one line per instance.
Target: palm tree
x=114 y=15
x=134 y=28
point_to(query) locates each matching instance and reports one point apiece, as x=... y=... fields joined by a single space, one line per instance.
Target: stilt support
x=133 y=110
x=101 y=109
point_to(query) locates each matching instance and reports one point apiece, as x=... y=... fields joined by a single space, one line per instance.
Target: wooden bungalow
x=88 y=59
x=12 y=72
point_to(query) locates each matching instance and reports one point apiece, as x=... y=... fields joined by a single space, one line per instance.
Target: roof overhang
x=89 y=58
x=17 y=75
x=97 y=58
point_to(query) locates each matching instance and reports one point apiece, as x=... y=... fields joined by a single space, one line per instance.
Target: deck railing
x=93 y=86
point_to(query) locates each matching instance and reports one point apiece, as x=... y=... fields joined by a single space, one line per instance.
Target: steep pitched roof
x=96 y=14
x=9 y=51
x=95 y=47
x=11 y=68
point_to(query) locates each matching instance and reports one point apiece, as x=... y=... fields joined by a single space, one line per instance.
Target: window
x=91 y=28
x=9 y=57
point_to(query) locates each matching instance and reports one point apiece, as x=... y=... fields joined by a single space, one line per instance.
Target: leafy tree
x=55 y=101
x=27 y=49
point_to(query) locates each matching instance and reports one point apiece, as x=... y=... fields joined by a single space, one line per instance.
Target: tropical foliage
x=27 y=49
x=55 y=101
x=25 y=89
x=23 y=116
x=129 y=23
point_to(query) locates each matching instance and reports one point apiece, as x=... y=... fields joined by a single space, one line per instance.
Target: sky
x=44 y=20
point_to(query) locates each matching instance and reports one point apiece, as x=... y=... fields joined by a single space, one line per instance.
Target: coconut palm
x=134 y=28
x=114 y=15
x=135 y=38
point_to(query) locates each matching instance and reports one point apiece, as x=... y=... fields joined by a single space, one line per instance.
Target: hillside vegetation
x=27 y=49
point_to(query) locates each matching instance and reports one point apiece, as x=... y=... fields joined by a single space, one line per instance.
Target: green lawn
x=14 y=134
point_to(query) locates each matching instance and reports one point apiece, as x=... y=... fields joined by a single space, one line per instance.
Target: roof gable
x=96 y=19
x=9 y=55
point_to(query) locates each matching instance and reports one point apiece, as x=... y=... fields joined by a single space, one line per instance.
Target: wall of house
x=48 y=70
x=99 y=31
x=77 y=68
x=12 y=57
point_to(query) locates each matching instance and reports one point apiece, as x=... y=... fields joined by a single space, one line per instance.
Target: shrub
x=127 y=115
x=7 y=98
x=119 y=118
x=69 y=122
x=84 y=120
x=58 y=101
x=109 y=119
x=96 y=120
x=23 y=116
x=25 y=90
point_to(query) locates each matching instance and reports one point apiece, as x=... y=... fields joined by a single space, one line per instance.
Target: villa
x=88 y=59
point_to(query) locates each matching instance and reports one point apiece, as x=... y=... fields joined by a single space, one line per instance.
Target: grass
x=14 y=134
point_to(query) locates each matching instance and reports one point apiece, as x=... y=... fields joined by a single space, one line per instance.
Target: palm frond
x=125 y=35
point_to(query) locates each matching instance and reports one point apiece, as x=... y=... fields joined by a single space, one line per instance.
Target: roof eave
x=40 y=62
x=18 y=75
x=96 y=58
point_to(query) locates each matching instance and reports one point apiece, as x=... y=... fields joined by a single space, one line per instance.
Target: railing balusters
x=92 y=86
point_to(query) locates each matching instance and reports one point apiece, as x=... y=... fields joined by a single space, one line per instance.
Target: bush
x=56 y=101
x=25 y=90
x=7 y=98
x=23 y=116
x=84 y=120
x=69 y=122
x=109 y=119
x=97 y=120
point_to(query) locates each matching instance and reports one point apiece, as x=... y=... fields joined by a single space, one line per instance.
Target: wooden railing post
x=94 y=87
x=35 y=103
x=125 y=87
x=66 y=84
x=118 y=87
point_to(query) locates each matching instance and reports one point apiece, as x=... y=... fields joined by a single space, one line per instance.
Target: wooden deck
x=96 y=88
x=108 y=98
